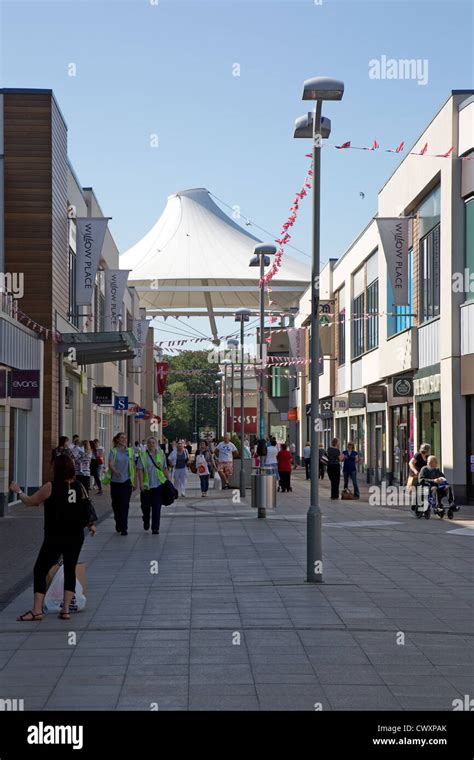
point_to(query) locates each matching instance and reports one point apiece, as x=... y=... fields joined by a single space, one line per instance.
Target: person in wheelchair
x=433 y=478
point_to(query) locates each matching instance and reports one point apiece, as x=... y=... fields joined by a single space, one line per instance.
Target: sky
x=164 y=71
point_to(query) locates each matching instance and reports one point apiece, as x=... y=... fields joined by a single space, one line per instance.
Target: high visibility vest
x=159 y=472
x=131 y=463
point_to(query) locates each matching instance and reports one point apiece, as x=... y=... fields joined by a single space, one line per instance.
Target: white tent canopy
x=195 y=261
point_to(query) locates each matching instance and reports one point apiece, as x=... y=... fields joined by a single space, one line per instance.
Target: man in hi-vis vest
x=152 y=473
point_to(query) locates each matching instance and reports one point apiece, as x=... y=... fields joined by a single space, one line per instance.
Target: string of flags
x=399 y=149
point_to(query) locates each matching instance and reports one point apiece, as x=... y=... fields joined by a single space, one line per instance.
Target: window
x=73 y=314
x=280 y=382
x=469 y=254
x=400 y=317
x=373 y=309
x=358 y=326
x=429 y=275
x=341 y=347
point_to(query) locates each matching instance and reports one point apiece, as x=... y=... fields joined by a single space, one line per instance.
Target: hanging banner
x=140 y=329
x=115 y=283
x=296 y=337
x=161 y=369
x=393 y=233
x=90 y=235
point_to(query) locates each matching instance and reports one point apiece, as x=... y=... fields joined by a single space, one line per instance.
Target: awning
x=99 y=347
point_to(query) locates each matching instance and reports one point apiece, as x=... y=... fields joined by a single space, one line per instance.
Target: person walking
x=64 y=522
x=349 y=468
x=334 y=467
x=225 y=452
x=203 y=460
x=151 y=474
x=323 y=460
x=271 y=462
x=261 y=451
x=307 y=460
x=63 y=447
x=97 y=464
x=179 y=460
x=293 y=454
x=122 y=482
x=285 y=463
x=84 y=460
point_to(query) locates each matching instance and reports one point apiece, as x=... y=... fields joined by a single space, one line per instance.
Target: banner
x=90 y=235
x=161 y=369
x=393 y=233
x=140 y=329
x=296 y=341
x=115 y=283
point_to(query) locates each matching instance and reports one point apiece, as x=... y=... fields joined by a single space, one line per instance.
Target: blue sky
x=167 y=69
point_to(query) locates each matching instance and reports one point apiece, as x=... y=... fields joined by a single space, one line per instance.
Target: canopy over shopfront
x=195 y=261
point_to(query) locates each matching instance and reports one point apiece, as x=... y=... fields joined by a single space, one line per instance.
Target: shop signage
x=140 y=415
x=103 y=395
x=340 y=404
x=402 y=386
x=325 y=409
x=89 y=240
x=250 y=419
x=3 y=383
x=422 y=386
x=115 y=283
x=292 y=415
x=25 y=383
x=121 y=403
x=356 y=400
x=376 y=394
x=393 y=233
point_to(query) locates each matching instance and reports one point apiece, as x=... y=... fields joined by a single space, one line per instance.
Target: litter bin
x=263 y=490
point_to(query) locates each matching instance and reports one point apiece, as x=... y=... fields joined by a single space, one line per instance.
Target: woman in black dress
x=334 y=467
x=63 y=532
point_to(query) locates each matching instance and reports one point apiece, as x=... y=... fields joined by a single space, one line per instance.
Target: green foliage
x=236 y=441
x=180 y=411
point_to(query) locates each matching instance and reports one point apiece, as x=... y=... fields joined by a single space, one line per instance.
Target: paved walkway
x=229 y=623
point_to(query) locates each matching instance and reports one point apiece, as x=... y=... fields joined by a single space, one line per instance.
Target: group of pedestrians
x=88 y=458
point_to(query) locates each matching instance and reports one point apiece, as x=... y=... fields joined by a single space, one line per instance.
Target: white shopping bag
x=53 y=601
x=217 y=481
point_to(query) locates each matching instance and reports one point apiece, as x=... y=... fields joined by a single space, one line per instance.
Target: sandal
x=24 y=619
x=64 y=615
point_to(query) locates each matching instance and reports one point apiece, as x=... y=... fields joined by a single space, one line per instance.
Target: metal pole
x=314 y=556
x=232 y=398
x=218 y=426
x=242 y=411
x=224 y=416
x=196 y=417
x=262 y=332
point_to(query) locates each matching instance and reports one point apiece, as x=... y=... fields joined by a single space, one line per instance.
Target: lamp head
x=323 y=88
x=304 y=126
x=242 y=315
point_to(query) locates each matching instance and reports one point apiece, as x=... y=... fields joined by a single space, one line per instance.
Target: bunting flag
x=343 y=146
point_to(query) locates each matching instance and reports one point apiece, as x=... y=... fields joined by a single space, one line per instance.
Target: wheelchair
x=437 y=499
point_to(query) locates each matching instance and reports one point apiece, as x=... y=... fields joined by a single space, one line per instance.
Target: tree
x=183 y=388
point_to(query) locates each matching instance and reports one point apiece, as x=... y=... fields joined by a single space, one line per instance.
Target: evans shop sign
x=25 y=383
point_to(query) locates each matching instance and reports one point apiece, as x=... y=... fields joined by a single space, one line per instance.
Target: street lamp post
x=261 y=258
x=219 y=383
x=233 y=343
x=242 y=316
x=318 y=89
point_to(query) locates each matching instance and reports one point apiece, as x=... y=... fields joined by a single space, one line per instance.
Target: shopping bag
x=106 y=478
x=217 y=481
x=53 y=601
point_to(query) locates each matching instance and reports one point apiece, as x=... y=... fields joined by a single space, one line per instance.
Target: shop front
x=340 y=405
x=326 y=414
x=357 y=431
x=402 y=428
x=376 y=433
x=427 y=389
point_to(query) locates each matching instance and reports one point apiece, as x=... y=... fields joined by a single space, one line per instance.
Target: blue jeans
x=204 y=483
x=353 y=476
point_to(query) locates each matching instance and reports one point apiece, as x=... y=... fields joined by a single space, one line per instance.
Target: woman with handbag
x=179 y=460
x=67 y=511
x=152 y=474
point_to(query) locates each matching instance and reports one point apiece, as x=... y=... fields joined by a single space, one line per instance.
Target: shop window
x=358 y=326
x=469 y=237
x=373 y=315
x=280 y=386
x=430 y=275
x=401 y=317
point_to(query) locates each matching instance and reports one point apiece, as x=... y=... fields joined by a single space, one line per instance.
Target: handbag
x=88 y=513
x=193 y=467
x=168 y=493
